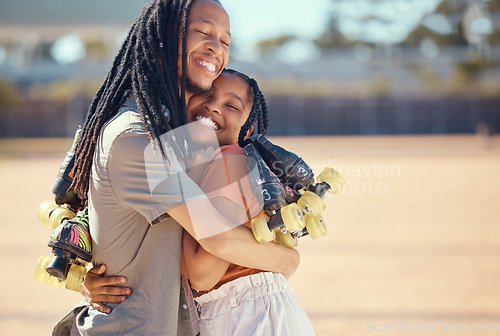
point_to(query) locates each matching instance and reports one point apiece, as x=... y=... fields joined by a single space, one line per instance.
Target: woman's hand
x=98 y=289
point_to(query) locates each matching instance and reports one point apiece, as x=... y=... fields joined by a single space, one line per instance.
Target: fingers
x=101 y=307
x=95 y=282
x=115 y=291
x=98 y=269
x=98 y=289
x=108 y=298
x=110 y=294
x=112 y=280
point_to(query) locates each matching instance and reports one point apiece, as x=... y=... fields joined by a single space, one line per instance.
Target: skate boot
x=72 y=248
x=297 y=176
x=282 y=221
x=70 y=240
x=63 y=195
x=66 y=203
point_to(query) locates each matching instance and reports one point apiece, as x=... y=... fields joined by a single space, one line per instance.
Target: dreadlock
x=147 y=66
x=259 y=111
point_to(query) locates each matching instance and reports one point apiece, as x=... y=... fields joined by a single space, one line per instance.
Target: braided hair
x=147 y=66
x=259 y=111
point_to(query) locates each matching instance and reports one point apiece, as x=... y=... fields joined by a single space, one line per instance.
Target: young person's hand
x=98 y=289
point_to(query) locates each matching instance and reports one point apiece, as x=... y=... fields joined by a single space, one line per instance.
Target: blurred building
x=54 y=54
x=50 y=40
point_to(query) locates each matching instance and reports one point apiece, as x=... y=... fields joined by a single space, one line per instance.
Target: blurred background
x=401 y=96
x=327 y=67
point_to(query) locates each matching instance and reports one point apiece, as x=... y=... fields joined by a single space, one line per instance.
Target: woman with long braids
x=232 y=299
x=174 y=49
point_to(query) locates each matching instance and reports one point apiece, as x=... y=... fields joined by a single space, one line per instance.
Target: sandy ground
x=412 y=249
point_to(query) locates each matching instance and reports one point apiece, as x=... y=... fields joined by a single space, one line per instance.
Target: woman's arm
x=204 y=269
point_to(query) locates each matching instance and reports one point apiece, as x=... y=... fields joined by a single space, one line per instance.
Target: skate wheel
x=261 y=231
x=286 y=239
x=59 y=215
x=44 y=211
x=333 y=178
x=292 y=217
x=315 y=226
x=42 y=275
x=311 y=204
x=75 y=278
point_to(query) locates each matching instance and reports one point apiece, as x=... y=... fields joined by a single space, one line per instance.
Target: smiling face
x=225 y=108
x=207 y=45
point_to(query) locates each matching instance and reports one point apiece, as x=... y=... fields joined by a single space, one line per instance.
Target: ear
x=249 y=132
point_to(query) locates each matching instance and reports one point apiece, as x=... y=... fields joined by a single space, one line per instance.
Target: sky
x=378 y=21
x=255 y=20
x=383 y=21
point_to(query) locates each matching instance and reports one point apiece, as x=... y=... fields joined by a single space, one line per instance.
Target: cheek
x=192 y=42
x=191 y=107
x=226 y=58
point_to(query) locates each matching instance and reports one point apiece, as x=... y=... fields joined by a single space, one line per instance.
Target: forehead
x=229 y=84
x=209 y=11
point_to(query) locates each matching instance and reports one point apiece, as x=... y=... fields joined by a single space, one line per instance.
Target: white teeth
x=208 y=65
x=207 y=122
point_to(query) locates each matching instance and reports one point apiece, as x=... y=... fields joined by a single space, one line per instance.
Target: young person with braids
x=232 y=299
x=174 y=49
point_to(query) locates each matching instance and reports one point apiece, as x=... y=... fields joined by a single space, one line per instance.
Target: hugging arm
x=134 y=176
x=204 y=269
x=98 y=289
x=217 y=223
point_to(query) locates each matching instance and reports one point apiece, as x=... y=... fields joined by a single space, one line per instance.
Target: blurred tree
x=274 y=43
x=452 y=13
x=450 y=10
x=494 y=6
x=422 y=32
x=9 y=94
x=332 y=37
x=494 y=9
x=97 y=50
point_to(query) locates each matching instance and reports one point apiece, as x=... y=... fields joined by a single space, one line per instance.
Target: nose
x=215 y=45
x=212 y=106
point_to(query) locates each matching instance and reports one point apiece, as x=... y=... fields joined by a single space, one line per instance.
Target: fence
x=295 y=115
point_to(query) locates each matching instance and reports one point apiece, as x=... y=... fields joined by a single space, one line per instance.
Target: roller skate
x=72 y=248
x=70 y=241
x=298 y=180
x=282 y=221
x=66 y=202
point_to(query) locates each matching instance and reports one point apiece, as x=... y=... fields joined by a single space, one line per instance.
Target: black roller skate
x=72 y=248
x=283 y=221
x=66 y=202
x=298 y=179
x=70 y=241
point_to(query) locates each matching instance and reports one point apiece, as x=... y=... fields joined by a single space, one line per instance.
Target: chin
x=198 y=88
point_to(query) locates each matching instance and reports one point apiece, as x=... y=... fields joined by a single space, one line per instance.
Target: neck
x=188 y=96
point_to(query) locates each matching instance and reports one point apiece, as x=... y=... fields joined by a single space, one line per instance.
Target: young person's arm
x=227 y=183
x=237 y=245
x=204 y=269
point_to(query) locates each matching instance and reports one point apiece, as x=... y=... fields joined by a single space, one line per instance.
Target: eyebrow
x=237 y=98
x=207 y=21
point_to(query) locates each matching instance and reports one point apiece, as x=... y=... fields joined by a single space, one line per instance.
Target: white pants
x=258 y=304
